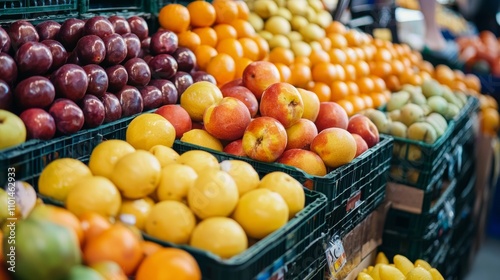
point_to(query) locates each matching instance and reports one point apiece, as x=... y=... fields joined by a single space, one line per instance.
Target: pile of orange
x=219 y=34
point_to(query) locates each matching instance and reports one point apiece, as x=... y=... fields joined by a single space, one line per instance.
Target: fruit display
x=60 y=78
x=480 y=53
x=401 y=268
x=80 y=246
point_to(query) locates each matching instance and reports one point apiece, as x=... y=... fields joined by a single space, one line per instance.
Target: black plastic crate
x=89 y=8
x=465 y=194
x=463 y=131
x=430 y=224
x=271 y=255
x=37 y=10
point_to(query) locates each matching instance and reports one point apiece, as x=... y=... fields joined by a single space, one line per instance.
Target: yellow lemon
x=290 y=189
x=436 y=275
x=364 y=276
x=138 y=209
x=94 y=194
x=214 y=194
x=105 y=155
x=137 y=174
x=423 y=264
x=202 y=138
x=375 y=272
x=164 y=154
x=419 y=273
x=198 y=97
x=171 y=221
x=221 y=236
x=148 y=130
x=59 y=177
x=388 y=272
x=199 y=160
x=403 y=264
x=175 y=182
x=260 y=212
x=243 y=173
x=381 y=258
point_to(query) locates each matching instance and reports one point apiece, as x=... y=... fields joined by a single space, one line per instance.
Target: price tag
x=335 y=255
x=353 y=201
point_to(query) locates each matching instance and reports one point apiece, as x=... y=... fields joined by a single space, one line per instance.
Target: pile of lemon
x=189 y=198
x=401 y=269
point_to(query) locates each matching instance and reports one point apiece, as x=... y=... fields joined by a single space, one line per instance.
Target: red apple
x=283 y=102
x=235 y=148
x=364 y=127
x=258 y=75
x=264 y=139
x=39 y=124
x=330 y=115
x=244 y=95
x=305 y=160
x=177 y=116
x=361 y=145
x=227 y=119
x=301 y=134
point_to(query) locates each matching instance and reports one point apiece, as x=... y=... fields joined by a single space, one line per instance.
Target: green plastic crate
x=465 y=194
x=432 y=223
x=343 y=186
x=124 y=8
x=463 y=131
x=271 y=254
x=37 y=10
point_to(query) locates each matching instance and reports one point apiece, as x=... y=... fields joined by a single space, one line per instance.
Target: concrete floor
x=487 y=263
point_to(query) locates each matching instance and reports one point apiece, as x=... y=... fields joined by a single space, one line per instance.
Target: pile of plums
x=61 y=78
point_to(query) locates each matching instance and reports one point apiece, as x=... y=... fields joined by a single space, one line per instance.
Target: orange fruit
x=222 y=67
x=337 y=56
x=326 y=43
x=353 y=87
x=336 y=27
x=207 y=35
x=350 y=72
x=321 y=90
x=382 y=55
x=230 y=46
x=204 y=54
x=415 y=80
x=174 y=17
x=202 y=13
x=241 y=63
x=472 y=82
x=366 y=85
x=243 y=10
x=368 y=100
x=118 y=244
x=459 y=75
x=225 y=31
x=324 y=72
x=285 y=72
x=169 y=264
x=397 y=67
x=392 y=82
x=226 y=11
x=301 y=74
x=489 y=120
x=303 y=59
x=189 y=39
x=379 y=84
x=149 y=247
x=281 y=55
x=318 y=56
x=360 y=54
x=362 y=68
x=426 y=66
x=353 y=37
x=444 y=74
x=381 y=69
x=250 y=48
x=357 y=102
x=339 y=90
x=378 y=99
x=338 y=40
x=263 y=46
x=347 y=105
x=61 y=217
x=457 y=85
x=341 y=74
x=243 y=28
x=93 y=224
x=351 y=55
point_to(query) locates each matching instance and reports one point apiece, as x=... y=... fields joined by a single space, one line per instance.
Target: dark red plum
x=48 y=30
x=116 y=49
x=6 y=96
x=133 y=45
x=163 y=66
x=185 y=58
x=138 y=26
x=33 y=58
x=59 y=53
x=70 y=81
x=117 y=77
x=4 y=41
x=98 y=79
x=120 y=24
x=163 y=42
x=8 y=68
x=99 y=26
x=73 y=58
x=67 y=115
x=199 y=76
x=21 y=32
x=112 y=107
x=182 y=81
x=152 y=97
x=90 y=50
x=146 y=43
x=93 y=111
x=168 y=90
x=71 y=31
x=138 y=72
x=39 y=124
x=130 y=100
x=34 y=92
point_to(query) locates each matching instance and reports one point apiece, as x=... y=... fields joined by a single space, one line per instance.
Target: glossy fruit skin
x=39 y=124
x=120 y=24
x=138 y=26
x=70 y=32
x=99 y=26
x=182 y=80
x=199 y=76
x=48 y=30
x=116 y=49
x=59 y=53
x=70 y=81
x=33 y=58
x=91 y=50
x=133 y=45
x=164 y=42
x=8 y=68
x=152 y=97
x=163 y=66
x=138 y=71
x=117 y=77
x=67 y=115
x=34 y=92
x=185 y=58
x=98 y=79
x=4 y=41
x=6 y=96
x=93 y=111
x=21 y=32
x=130 y=101
x=168 y=90
x=112 y=107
